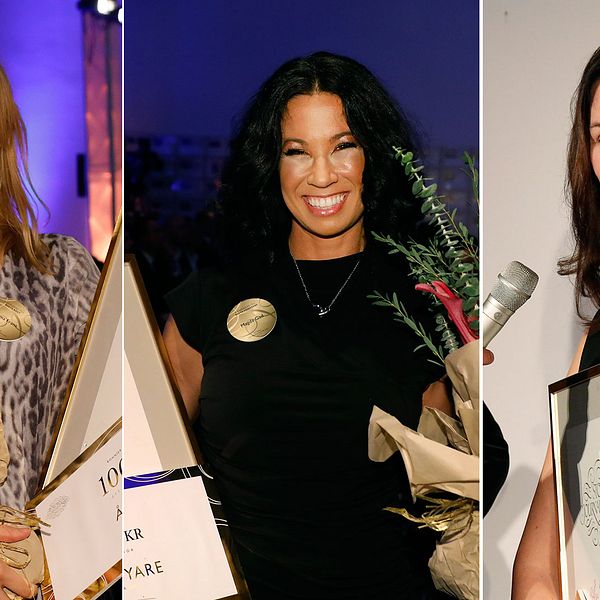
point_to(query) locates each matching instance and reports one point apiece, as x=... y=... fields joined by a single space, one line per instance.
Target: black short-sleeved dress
x=283 y=423
x=591 y=350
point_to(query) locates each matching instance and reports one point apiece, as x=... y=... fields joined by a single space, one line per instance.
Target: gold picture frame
x=173 y=440
x=575 y=428
x=82 y=418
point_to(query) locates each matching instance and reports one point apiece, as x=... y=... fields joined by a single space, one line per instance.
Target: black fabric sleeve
x=185 y=304
x=591 y=351
x=495 y=459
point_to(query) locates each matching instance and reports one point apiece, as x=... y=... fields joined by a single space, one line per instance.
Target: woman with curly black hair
x=280 y=356
x=377 y=125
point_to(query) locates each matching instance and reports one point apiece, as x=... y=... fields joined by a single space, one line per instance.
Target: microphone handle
x=493 y=318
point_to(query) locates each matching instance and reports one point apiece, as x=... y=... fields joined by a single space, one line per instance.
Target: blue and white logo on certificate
x=172 y=546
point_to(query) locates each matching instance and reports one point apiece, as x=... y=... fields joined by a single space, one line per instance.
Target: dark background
x=191 y=67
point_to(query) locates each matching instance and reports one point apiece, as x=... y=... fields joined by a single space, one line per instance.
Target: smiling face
x=320 y=172
x=595 y=131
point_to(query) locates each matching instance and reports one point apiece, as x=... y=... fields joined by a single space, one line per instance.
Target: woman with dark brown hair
x=536 y=571
x=47 y=283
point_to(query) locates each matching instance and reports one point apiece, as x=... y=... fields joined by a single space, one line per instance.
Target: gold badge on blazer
x=251 y=320
x=15 y=320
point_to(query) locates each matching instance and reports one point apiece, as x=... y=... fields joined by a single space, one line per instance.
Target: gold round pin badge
x=15 y=320
x=251 y=320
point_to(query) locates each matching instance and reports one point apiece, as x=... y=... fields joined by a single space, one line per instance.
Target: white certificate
x=583 y=543
x=83 y=509
x=575 y=412
x=172 y=548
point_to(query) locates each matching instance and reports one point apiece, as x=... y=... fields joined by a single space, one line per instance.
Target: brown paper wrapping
x=462 y=367
x=454 y=565
x=443 y=456
x=430 y=465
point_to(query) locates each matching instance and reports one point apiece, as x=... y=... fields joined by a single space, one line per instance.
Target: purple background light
x=41 y=50
x=191 y=66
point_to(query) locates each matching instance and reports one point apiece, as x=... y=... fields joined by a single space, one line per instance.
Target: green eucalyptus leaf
x=470 y=303
x=417 y=186
x=426 y=206
x=410 y=323
x=430 y=190
x=462 y=280
x=406 y=157
x=439 y=363
x=464 y=267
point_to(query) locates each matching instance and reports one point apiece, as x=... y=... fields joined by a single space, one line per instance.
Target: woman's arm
x=536 y=572
x=187 y=366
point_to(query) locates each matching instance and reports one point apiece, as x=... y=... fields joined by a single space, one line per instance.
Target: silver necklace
x=323 y=310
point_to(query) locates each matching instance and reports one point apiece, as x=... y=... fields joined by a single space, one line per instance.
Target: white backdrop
x=533 y=55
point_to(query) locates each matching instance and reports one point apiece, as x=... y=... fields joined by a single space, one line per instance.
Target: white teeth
x=325 y=202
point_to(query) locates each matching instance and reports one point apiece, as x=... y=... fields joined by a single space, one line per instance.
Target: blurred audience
x=167 y=250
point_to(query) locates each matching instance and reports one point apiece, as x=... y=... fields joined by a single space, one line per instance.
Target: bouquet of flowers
x=442 y=456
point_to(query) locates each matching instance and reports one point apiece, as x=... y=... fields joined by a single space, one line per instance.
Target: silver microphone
x=514 y=287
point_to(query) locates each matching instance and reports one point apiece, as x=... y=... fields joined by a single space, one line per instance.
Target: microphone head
x=515 y=285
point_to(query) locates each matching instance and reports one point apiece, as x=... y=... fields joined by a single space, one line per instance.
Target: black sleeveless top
x=591 y=349
x=283 y=423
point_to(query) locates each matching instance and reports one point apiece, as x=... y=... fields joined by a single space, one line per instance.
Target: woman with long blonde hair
x=18 y=223
x=47 y=283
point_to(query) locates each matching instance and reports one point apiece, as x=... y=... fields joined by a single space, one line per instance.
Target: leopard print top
x=35 y=370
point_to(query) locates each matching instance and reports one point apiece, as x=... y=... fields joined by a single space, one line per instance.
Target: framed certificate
x=176 y=539
x=81 y=511
x=93 y=400
x=86 y=440
x=575 y=426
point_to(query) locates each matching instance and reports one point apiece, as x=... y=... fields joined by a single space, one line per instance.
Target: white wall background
x=533 y=55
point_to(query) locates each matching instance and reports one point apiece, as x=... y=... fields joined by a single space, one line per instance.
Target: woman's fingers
x=14 y=581
x=488 y=357
x=8 y=533
x=436 y=396
x=10 y=578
